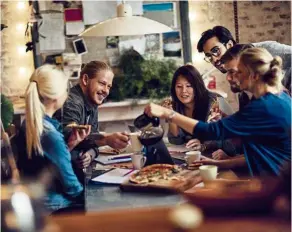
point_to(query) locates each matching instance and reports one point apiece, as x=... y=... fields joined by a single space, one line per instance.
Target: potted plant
x=140 y=78
x=7 y=112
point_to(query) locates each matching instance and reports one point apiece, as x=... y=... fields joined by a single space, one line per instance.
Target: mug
x=138 y=161
x=208 y=172
x=192 y=156
x=135 y=142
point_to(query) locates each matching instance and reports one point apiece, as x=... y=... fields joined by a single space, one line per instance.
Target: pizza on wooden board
x=156 y=173
x=77 y=126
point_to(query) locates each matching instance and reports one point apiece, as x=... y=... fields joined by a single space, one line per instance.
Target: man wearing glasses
x=216 y=41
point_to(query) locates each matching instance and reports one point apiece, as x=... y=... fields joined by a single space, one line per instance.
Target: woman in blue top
x=264 y=125
x=44 y=144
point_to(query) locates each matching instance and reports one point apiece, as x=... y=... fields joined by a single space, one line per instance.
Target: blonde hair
x=93 y=67
x=260 y=61
x=46 y=83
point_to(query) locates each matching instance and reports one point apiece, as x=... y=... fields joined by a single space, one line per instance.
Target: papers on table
x=112 y=159
x=115 y=176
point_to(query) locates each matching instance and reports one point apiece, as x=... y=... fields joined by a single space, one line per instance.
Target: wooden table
x=156 y=219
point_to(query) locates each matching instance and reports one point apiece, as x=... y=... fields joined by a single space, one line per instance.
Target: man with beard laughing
x=81 y=107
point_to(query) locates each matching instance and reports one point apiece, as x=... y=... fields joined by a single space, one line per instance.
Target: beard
x=235 y=89
x=234 y=86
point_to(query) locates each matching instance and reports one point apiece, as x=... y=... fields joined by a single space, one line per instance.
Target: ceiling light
x=125 y=24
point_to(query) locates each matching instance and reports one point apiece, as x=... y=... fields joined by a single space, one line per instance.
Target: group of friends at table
x=257 y=137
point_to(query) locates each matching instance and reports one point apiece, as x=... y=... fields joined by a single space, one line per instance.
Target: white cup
x=138 y=161
x=208 y=172
x=135 y=142
x=192 y=156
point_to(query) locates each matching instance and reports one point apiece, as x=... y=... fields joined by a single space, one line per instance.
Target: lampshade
x=125 y=24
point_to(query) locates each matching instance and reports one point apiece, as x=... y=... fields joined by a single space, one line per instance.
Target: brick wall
x=258 y=21
x=16 y=64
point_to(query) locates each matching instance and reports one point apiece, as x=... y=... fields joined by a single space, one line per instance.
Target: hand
x=167 y=103
x=77 y=136
x=153 y=110
x=214 y=116
x=118 y=140
x=194 y=144
x=84 y=160
x=205 y=161
x=220 y=155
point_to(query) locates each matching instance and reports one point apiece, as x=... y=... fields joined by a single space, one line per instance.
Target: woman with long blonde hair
x=44 y=144
x=264 y=125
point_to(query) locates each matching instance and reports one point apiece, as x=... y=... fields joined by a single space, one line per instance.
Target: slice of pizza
x=77 y=126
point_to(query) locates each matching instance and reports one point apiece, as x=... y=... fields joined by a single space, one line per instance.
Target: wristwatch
x=171 y=115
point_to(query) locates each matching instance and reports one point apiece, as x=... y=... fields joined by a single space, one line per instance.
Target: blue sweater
x=264 y=126
x=65 y=189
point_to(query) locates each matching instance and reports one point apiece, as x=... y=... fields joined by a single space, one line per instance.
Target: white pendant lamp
x=125 y=24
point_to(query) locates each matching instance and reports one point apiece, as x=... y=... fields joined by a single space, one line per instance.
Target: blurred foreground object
x=186 y=217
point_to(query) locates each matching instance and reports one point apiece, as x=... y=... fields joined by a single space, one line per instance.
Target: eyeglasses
x=215 y=51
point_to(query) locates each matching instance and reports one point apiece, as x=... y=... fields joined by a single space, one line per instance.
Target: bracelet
x=171 y=115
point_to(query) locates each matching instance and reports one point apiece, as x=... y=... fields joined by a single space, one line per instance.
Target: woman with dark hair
x=191 y=98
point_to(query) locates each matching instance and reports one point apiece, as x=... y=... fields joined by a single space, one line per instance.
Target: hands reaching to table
x=77 y=136
x=194 y=144
x=84 y=159
x=220 y=155
x=153 y=110
x=117 y=140
x=205 y=161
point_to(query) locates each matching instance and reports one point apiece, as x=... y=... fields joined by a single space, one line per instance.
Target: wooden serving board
x=191 y=178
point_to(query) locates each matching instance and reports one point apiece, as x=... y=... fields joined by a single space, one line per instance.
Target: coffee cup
x=138 y=161
x=135 y=142
x=208 y=172
x=192 y=156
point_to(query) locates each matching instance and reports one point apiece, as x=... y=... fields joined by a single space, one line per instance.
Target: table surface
x=110 y=209
x=100 y=197
x=157 y=219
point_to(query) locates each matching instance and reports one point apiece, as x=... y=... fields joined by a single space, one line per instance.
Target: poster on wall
x=164 y=12
x=152 y=43
x=171 y=44
x=112 y=41
x=137 y=43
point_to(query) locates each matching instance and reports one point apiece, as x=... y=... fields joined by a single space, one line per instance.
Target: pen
x=129 y=172
x=120 y=157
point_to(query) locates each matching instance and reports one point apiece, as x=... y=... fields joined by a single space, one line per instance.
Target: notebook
x=114 y=176
x=113 y=159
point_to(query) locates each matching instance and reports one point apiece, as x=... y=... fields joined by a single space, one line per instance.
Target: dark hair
x=93 y=67
x=234 y=52
x=222 y=33
x=201 y=97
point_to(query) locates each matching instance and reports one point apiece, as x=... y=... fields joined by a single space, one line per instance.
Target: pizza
x=161 y=173
x=77 y=126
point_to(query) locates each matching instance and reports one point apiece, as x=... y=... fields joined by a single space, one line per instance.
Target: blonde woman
x=44 y=144
x=264 y=125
